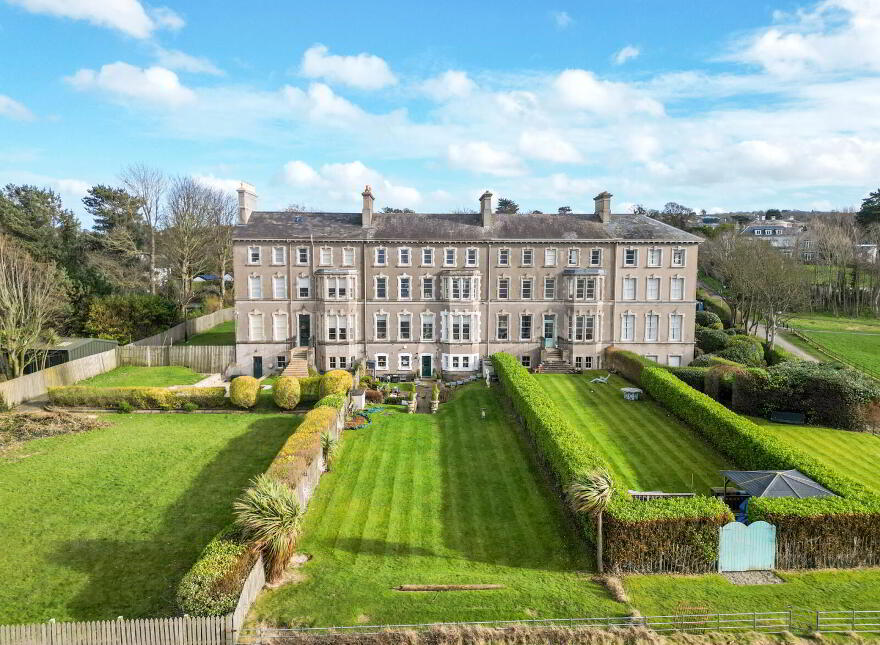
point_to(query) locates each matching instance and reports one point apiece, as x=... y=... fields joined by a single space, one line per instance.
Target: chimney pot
x=367 y=210
x=486 y=209
x=603 y=206
x=247 y=201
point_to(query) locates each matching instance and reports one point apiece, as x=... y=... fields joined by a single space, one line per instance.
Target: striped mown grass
x=646 y=447
x=855 y=454
x=444 y=499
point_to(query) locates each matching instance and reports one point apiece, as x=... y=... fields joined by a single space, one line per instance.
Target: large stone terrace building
x=438 y=291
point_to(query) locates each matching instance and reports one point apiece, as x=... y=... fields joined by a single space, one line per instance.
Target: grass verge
x=133 y=376
x=222 y=334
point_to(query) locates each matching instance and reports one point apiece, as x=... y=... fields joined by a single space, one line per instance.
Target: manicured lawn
x=646 y=447
x=854 y=340
x=855 y=454
x=105 y=523
x=825 y=589
x=437 y=499
x=222 y=334
x=132 y=376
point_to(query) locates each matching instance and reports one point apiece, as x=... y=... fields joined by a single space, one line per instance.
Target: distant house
x=210 y=277
x=781 y=234
x=66 y=349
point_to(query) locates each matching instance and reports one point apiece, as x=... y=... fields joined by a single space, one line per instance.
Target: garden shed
x=67 y=349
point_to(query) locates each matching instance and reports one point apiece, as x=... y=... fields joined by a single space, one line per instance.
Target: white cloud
x=176 y=59
x=448 y=85
x=320 y=102
x=342 y=184
x=481 y=156
x=549 y=146
x=579 y=88
x=152 y=84
x=12 y=109
x=627 y=53
x=836 y=35
x=219 y=183
x=364 y=71
x=561 y=19
x=127 y=16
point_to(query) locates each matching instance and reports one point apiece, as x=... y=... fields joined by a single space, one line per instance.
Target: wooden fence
x=207 y=359
x=35 y=385
x=184 y=630
x=188 y=328
x=254 y=583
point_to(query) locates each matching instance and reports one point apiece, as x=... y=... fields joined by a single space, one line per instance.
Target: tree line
x=128 y=277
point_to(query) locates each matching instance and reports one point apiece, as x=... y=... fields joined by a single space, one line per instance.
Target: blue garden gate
x=744 y=547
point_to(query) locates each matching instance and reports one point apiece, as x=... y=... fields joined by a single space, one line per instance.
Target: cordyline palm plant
x=329 y=445
x=270 y=518
x=591 y=493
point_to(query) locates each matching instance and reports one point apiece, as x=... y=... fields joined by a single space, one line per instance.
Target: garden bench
x=794 y=418
x=600 y=379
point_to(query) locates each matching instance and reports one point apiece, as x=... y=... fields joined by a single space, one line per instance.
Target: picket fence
x=182 y=630
x=188 y=328
x=207 y=359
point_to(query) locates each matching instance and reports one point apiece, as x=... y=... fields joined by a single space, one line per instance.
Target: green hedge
x=212 y=586
x=711 y=340
x=139 y=398
x=775 y=355
x=693 y=376
x=708 y=319
x=709 y=360
x=745 y=350
x=335 y=382
x=636 y=532
x=286 y=392
x=803 y=538
x=243 y=392
x=628 y=363
x=308 y=388
x=335 y=401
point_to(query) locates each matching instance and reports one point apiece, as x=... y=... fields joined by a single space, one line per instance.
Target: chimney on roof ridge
x=603 y=206
x=247 y=201
x=486 y=209
x=367 y=211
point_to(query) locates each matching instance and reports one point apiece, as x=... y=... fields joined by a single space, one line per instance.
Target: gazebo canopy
x=776 y=483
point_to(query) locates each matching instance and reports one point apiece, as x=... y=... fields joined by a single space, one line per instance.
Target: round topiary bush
x=286 y=392
x=334 y=382
x=746 y=350
x=709 y=319
x=711 y=340
x=243 y=391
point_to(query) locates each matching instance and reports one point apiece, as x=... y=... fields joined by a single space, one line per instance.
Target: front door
x=427 y=366
x=549 y=326
x=258 y=367
x=305 y=330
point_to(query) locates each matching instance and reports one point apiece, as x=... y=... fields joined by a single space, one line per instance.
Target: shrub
x=719 y=382
x=189 y=406
x=719 y=308
x=128 y=317
x=775 y=355
x=709 y=319
x=711 y=340
x=708 y=360
x=138 y=398
x=693 y=376
x=335 y=382
x=375 y=396
x=335 y=401
x=735 y=331
x=308 y=388
x=746 y=350
x=312 y=371
x=125 y=407
x=243 y=391
x=286 y=392
x=628 y=363
x=303 y=446
x=212 y=586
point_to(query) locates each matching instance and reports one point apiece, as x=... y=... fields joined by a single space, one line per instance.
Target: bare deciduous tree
x=148 y=185
x=224 y=211
x=32 y=300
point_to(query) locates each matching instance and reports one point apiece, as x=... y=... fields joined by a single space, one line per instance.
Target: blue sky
x=722 y=106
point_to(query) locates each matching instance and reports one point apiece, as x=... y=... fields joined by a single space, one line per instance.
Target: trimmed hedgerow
x=137 y=398
x=708 y=319
x=335 y=401
x=286 y=392
x=243 y=391
x=308 y=388
x=212 y=586
x=711 y=340
x=719 y=382
x=746 y=350
x=636 y=532
x=709 y=360
x=335 y=382
x=303 y=446
x=693 y=376
x=629 y=364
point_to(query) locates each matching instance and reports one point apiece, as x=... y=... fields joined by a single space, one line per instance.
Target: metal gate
x=747 y=547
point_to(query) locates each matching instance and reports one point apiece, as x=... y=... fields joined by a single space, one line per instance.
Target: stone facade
x=455 y=291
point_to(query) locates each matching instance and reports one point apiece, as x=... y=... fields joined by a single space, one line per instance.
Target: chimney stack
x=603 y=206
x=367 y=211
x=247 y=201
x=486 y=209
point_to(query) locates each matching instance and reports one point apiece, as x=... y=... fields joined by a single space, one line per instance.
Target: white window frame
x=409 y=287
x=531 y=317
x=401 y=317
x=635 y=260
x=424 y=319
x=376 y=317
x=522 y=282
x=430 y=252
x=635 y=287
x=683 y=253
x=624 y=337
x=308 y=287
x=429 y=279
x=446 y=251
x=648 y=282
x=506 y=296
x=659 y=254
x=251 y=291
x=325 y=261
x=400 y=366
x=505 y=252
x=680 y=318
x=551 y=256
x=576 y=253
x=467 y=256
x=331 y=362
x=299 y=260
x=252 y=316
x=346 y=251
x=498 y=319
x=676 y=280
x=277 y=316
x=655 y=318
x=758 y=231
x=531 y=253
x=275 y=260
x=599 y=261
x=400 y=253
x=669 y=360
x=384 y=251
x=380 y=368
x=551 y=280
x=275 y=281
x=376 y=279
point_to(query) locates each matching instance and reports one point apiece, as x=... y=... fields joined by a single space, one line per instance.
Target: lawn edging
x=677 y=535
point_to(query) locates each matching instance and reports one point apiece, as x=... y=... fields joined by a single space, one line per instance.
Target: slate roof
x=449 y=227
